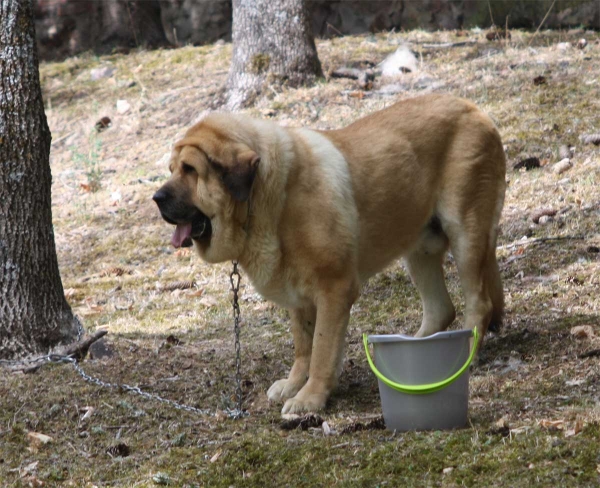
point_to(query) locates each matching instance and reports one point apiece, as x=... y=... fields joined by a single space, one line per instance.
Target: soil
x=534 y=396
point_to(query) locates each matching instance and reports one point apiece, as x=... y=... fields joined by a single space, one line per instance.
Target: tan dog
x=311 y=215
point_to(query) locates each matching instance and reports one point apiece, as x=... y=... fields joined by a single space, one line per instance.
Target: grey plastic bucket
x=423 y=382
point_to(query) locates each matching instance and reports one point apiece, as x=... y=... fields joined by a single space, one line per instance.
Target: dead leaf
x=259 y=307
x=208 y=301
x=552 y=424
x=216 y=456
x=85 y=187
x=29 y=469
x=197 y=293
x=357 y=94
x=577 y=428
x=88 y=412
x=583 y=332
x=33 y=482
x=36 y=440
x=183 y=252
x=70 y=292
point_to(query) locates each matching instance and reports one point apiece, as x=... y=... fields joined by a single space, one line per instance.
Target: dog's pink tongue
x=182 y=232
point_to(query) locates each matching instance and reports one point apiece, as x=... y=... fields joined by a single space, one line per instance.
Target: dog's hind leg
x=425 y=267
x=473 y=252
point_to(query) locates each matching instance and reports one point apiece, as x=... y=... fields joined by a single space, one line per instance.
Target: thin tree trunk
x=272 y=44
x=34 y=315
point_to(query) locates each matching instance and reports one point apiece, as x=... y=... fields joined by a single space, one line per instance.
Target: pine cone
x=179 y=285
x=591 y=139
x=114 y=271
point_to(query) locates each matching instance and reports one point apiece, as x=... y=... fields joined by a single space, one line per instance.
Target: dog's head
x=206 y=197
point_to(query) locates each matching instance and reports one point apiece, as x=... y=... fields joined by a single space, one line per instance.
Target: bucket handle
x=422 y=389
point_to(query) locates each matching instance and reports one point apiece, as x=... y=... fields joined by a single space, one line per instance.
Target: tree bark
x=272 y=44
x=131 y=23
x=34 y=314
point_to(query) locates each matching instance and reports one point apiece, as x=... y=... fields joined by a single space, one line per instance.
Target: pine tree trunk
x=34 y=315
x=272 y=44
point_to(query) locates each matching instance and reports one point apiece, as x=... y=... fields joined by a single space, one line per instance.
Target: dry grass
x=529 y=373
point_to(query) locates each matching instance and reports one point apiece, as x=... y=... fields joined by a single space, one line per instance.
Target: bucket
x=423 y=382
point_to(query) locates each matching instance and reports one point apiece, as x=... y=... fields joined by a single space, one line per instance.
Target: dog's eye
x=187 y=168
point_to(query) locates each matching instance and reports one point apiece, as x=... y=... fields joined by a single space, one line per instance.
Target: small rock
x=562 y=166
x=447 y=470
x=123 y=106
x=544 y=212
x=161 y=479
x=581 y=43
x=563 y=46
x=401 y=61
x=99 y=73
x=564 y=152
x=37 y=439
x=544 y=219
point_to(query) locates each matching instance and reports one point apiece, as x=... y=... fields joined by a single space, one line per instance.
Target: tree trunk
x=131 y=23
x=272 y=44
x=34 y=315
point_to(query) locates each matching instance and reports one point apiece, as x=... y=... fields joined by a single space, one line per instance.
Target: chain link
x=235 y=279
x=46 y=357
x=235 y=413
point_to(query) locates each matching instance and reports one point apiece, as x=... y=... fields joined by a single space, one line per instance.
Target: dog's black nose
x=161 y=196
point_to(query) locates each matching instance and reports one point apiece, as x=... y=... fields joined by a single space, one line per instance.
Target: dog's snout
x=161 y=196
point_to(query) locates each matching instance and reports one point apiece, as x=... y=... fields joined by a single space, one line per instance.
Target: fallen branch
x=590 y=354
x=540 y=239
x=364 y=77
x=448 y=45
x=78 y=350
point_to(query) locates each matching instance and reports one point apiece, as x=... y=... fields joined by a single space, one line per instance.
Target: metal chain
x=234 y=413
x=235 y=279
x=46 y=357
x=132 y=389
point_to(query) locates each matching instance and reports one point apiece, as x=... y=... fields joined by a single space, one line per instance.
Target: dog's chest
x=274 y=285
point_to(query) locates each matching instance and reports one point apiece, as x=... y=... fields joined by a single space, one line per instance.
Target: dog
x=310 y=215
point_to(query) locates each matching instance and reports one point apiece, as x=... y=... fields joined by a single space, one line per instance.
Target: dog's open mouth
x=199 y=228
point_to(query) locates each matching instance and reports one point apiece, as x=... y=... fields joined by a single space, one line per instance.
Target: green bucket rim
x=422 y=389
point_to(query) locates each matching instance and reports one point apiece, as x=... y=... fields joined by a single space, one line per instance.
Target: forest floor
x=534 y=407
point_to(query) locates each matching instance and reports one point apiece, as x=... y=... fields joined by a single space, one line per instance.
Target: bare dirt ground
x=534 y=399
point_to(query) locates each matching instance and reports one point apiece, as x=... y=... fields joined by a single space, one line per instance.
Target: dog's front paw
x=284 y=389
x=311 y=402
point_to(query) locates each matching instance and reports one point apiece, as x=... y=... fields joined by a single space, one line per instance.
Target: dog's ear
x=238 y=178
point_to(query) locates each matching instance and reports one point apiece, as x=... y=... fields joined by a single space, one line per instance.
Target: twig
x=79 y=349
x=491 y=16
x=446 y=45
x=542 y=22
x=60 y=139
x=540 y=239
x=589 y=354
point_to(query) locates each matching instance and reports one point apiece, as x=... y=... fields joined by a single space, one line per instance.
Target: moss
x=260 y=63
